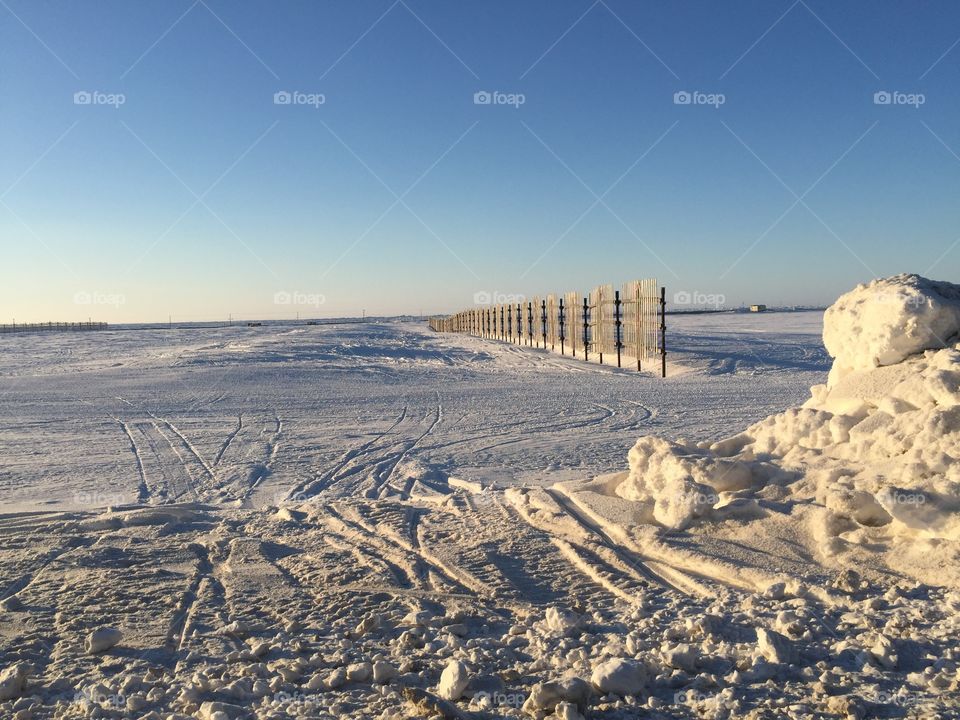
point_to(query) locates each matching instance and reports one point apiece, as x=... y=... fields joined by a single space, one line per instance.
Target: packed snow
x=376 y=521
x=869 y=461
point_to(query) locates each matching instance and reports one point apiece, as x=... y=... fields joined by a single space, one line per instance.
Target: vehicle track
x=318 y=485
x=637 y=563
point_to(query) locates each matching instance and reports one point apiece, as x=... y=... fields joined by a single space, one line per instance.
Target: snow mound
x=885 y=321
x=875 y=450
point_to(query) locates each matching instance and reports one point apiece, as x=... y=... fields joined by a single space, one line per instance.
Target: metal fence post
x=530 y=323
x=663 y=332
x=616 y=323
x=560 y=322
x=586 y=330
x=543 y=321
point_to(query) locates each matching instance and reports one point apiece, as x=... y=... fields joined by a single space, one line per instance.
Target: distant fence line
x=630 y=321
x=52 y=327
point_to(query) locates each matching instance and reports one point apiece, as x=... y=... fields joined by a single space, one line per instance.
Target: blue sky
x=200 y=196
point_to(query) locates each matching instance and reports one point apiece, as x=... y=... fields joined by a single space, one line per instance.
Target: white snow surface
x=375 y=521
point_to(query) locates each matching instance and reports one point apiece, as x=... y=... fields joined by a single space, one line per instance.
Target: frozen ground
x=253 y=414
x=362 y=521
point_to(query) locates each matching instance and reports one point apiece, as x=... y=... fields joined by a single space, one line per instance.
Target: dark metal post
x=519 y=324
x=560 y=320
x=616 y=323
x=543 y=321
x=663 y=332
x=586 y=330
x=530 y=324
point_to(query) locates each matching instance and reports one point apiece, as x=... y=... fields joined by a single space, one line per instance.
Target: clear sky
x=182 y=184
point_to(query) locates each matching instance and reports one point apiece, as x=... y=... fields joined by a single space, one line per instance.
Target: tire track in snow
x=408 y=486
x=143 y=492
x=312 y=487
x=262 y=471
x=667 y=576
x=187 y=445
x=595 y=530
x=230 y=437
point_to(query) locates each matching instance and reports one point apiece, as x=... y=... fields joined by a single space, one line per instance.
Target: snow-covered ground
x=252 y=414
x=374 y=520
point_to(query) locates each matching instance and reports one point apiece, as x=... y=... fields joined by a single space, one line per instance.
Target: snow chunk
x=884 y=321
x=13 y=681
x=680 y=481
x=383 y=672
x=561 y=620
x=102 y=639
x=621 y=676
x=453 y=680
x=774 y=647
x=550 y=695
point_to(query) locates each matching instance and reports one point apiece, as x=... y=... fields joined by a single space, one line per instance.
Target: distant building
x=758 y=308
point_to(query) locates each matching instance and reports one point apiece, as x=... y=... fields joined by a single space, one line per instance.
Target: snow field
x=381 y=522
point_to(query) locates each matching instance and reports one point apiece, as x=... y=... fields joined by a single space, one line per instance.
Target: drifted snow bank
x=877 y=446
x=886 y=321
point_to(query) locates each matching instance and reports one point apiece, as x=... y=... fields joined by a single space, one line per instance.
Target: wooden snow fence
x=622 y=325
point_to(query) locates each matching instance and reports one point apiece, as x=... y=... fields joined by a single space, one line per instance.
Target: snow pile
x=876 y=447
x=885 y=321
